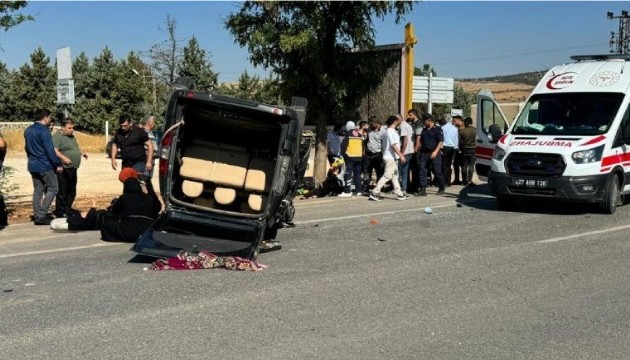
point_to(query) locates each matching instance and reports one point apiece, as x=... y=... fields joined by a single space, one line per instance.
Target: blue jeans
x=403 y=172
x=45 y=188
x=140 y=167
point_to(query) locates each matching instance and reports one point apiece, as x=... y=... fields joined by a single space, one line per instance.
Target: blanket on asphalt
x=205 y=260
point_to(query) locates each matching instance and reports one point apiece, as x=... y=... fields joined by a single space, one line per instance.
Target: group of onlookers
x=411 y=154
x=53 y=161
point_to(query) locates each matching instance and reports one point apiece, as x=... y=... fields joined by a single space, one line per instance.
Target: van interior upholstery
x=225 y=161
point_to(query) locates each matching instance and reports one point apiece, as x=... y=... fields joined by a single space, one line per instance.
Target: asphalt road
x=355 y=280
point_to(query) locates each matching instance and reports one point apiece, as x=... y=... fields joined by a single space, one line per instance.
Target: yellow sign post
x=410 y=41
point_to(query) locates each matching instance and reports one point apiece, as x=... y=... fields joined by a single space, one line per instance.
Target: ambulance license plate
x=531 y=183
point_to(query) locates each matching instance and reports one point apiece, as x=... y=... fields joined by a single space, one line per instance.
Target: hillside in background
x=505 y=88
x=528 y=78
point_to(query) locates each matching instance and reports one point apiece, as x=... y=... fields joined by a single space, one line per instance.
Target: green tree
x=195 y=64
x=9 y=15
x=5 y=93
x=100 y=93
x=307 y=45
x=463 y=99
x=34 y=87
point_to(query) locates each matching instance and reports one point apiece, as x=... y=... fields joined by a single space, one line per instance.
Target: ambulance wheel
x=612 y=197
x=504 y=203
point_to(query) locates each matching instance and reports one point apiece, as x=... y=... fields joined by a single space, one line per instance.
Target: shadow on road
x=480 y=197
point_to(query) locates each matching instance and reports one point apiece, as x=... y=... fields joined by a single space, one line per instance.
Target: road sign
x=457 y=112
x=65 y=91
x=441 y=89
x=437 y=97
x=64 y=63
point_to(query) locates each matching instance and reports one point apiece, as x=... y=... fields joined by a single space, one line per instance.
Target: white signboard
x=457 y=112
x=64 y=64
x=65 y=91
x=441 y=90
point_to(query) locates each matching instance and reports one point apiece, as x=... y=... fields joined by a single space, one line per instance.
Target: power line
x=516 y=54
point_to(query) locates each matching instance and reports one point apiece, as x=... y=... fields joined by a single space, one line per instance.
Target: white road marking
x=368 y=214
x=59 y=250
x=575 y=236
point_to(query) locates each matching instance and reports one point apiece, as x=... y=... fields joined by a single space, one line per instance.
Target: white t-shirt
x=391 y=137
x=407 y=130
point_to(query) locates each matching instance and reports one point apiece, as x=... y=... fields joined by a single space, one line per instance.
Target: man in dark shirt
x=3 y=207
x=132 y=142
x=42 y=164
x=428 y=147
x=467 y=143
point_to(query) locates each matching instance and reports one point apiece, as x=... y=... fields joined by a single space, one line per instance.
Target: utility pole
x=620 y=42
x=410 y=41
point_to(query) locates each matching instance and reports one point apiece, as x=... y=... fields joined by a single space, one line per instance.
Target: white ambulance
x=569 y=142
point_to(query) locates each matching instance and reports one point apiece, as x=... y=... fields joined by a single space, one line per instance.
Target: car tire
x=613 y=196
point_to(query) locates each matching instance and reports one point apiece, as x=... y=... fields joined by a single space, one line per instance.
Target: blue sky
x=460 y=39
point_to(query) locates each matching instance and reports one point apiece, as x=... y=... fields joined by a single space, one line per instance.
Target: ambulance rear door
x=491 y=125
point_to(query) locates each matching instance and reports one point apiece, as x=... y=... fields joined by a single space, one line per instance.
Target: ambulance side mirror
x=495 y=133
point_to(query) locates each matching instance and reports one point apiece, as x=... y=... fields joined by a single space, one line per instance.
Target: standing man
x=449 y=148
x=132 y=141
x=3 y=206
x=42 y=164
x=374 y=150
x=391 y=154
x=406 y=146
x=459 y=158
x=149 y=124
x=352 y=151
x=468 y=144
x=414 y=167
x=428 y=145
x=67 y=150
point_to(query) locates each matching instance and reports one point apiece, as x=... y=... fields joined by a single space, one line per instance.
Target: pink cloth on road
x=205 y=260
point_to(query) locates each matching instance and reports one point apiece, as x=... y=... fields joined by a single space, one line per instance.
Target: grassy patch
x=87 y=143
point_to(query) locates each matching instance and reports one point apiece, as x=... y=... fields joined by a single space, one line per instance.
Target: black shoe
x=456 y=182
x=422 y=192
x=375 y=197
x=287 y=224
x=440 y=192
x=42 y=221
x=50 y=216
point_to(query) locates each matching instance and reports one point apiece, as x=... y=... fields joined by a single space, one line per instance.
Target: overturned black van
x=229 y=170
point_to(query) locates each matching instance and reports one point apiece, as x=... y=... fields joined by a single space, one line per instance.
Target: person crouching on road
x=391 y=154
x=352 y=151
x=125 y=220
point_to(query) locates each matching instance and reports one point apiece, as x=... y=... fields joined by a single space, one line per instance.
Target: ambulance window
x=625 y=127
x=492 y=122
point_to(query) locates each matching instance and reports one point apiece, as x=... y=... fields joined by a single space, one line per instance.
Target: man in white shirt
x=406 y=147
x=449 y=148
x=391 y=155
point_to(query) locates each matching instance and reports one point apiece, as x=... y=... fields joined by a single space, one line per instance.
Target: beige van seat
x=198 y=160
x=230 y=166
x=260 y=174
x=192 y=188
x=224 y=196
x=256 y=202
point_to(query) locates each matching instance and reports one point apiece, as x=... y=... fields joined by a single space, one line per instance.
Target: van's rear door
x=491 y=125
x=178 y=230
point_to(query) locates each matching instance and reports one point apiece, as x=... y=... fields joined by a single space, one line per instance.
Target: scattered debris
x=29 y=284
x=315 y=225
x=459 y=205
x=7 y=290
x=381 y=239
x=428 y=210
x=373 y=221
